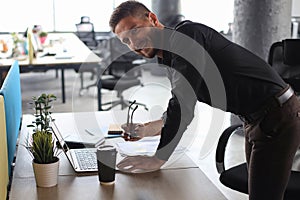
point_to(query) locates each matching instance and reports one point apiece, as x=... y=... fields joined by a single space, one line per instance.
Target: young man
x=204 y=66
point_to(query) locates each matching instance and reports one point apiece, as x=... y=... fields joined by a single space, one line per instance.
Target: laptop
x=81 y=159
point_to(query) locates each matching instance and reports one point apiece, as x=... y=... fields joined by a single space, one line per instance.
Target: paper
x=80 y=127
x=146 y=147
x=89 y=135
x=63 y=55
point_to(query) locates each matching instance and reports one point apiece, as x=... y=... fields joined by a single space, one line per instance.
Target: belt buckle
x=285 y=96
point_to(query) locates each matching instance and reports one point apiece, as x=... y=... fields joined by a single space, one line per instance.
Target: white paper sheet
x=146 y=146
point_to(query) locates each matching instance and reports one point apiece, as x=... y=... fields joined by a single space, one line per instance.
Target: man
x=222 y=74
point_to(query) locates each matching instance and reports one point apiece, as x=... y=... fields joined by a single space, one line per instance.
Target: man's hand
x=138 y=164
x=143 y=130
x=149 y=129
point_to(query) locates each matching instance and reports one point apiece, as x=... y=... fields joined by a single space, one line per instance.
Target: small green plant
x=42 y=145
x=43 y=34
x=42 y=106
x=43 y=149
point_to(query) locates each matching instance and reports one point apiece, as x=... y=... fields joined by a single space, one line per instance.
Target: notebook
x=81 y=127
x=81 y=159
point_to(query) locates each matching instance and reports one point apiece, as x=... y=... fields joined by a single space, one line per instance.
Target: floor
x=154 y=93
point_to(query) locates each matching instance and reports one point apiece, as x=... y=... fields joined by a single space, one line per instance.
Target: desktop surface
x=178 y=179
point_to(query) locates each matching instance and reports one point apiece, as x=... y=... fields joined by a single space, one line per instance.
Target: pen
x=113 y=136
x=88 y=132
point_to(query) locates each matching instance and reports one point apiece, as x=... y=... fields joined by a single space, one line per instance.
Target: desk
x=80 y=54
x=181 y=179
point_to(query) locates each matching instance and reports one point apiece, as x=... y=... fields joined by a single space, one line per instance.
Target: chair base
x=124 y=104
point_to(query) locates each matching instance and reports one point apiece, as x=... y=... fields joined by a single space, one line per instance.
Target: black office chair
x=86 y=33
x=236 y=177
x=123 y=73
x=285 y=58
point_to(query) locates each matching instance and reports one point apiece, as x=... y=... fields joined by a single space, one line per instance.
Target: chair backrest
x=3 y=152
x=85 y=27
x=86 y=32
x=284 y=57
x=85 y=19
x=11 y=91
x=121 y=59
x=291 y=52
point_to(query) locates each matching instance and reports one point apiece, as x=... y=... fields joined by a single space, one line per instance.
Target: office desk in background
x=179 y=179
x=71 y=53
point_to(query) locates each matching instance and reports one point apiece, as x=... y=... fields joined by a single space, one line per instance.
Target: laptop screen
x=62 y=142
x=71 y=153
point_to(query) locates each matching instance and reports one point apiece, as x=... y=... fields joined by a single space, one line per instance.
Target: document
x=80 y=127
x=146 y=146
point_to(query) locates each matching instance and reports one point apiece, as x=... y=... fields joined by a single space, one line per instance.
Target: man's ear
x=152 y=18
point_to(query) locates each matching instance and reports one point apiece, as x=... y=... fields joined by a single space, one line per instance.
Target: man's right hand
x=149 y=129
x=143 y=130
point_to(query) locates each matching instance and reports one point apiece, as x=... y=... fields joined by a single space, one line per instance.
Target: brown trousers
x=270 y=145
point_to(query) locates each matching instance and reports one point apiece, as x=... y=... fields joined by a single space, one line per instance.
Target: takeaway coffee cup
x=106 y=160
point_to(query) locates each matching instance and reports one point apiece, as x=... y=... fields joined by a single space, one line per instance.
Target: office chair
x=86 y=32
x=284 y=57
x=236 y=177
x=123 y=73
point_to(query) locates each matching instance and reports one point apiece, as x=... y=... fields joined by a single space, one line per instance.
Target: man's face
x=138 y=34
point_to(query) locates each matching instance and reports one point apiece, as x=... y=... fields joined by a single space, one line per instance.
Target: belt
x=277 y=101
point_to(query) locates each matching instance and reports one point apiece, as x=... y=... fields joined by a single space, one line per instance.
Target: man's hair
x=126 y=9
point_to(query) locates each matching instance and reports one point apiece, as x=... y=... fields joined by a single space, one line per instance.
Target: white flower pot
x=46 y=175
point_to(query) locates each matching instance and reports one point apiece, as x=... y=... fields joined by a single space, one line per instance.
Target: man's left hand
x=138 y=164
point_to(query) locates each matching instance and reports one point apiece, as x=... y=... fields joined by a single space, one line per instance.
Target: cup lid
x=106 y=148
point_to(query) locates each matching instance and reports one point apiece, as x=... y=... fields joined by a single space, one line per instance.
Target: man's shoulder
x=187 y=24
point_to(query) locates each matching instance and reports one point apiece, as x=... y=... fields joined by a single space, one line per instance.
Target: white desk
x=180 y=179
x=81 y=56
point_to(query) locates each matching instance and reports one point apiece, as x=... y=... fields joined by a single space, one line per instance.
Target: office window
x=56 y=15
x=17 y=15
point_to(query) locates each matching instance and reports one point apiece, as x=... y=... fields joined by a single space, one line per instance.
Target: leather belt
x=285 y=96
x=277 y=101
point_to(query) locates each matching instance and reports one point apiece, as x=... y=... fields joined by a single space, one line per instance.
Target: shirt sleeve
x=180 y=110
x=186 y=82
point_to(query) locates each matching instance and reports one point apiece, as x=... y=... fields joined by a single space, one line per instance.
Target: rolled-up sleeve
x=180 y=110
x=186 y=62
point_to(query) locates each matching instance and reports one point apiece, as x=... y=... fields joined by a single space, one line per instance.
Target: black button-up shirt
x=204 y=66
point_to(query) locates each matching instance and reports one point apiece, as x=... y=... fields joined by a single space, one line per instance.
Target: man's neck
x=160 y=53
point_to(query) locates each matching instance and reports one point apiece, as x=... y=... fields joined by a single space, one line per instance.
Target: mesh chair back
x=291 y=52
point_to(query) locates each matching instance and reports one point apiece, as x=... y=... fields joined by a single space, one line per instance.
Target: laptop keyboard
x=86 y=159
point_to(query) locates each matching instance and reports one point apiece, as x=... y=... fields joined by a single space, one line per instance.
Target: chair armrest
x=221 y=147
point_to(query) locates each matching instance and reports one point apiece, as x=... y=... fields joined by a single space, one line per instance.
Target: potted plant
x=43 y=36
x=42 y=143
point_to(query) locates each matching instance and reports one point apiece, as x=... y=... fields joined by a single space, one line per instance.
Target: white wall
x=214 y=13
x=296 y=8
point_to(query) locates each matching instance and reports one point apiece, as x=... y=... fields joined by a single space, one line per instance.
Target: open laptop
x=81 y=159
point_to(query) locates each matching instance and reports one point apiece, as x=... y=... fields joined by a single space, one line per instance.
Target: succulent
x=42 y=144
x=42 y=147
